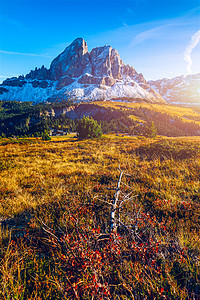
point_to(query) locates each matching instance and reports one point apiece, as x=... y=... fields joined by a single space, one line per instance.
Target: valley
x=133 y=118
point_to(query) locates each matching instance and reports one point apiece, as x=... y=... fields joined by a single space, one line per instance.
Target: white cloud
x=21 y=53
x=188 y=51
x=148 y=34
x=8 y=76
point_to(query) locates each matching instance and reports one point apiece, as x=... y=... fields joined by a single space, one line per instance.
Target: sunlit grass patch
x=186 y=114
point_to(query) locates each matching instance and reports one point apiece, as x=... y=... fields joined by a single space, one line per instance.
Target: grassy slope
x=51 y=220
x=184 y=113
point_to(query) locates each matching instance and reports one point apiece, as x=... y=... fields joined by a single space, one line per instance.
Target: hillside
x=55 y=219
x=170 y=120
x=26 y=119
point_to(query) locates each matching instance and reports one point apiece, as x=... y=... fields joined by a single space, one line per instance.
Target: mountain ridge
x=82 y=76
x=183 y=89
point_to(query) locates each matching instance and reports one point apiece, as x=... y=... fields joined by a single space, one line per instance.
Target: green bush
x=45 y=136
x=150 y=130
x=88 y=128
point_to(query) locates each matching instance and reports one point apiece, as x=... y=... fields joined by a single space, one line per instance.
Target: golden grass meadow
x=55 y=217
x=185 y=114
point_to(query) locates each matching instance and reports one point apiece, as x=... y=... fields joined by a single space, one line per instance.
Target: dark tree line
x=26 y=119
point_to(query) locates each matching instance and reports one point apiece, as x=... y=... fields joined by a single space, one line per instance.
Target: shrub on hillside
x=150 y=130
x=88 y=128
x=45 y=136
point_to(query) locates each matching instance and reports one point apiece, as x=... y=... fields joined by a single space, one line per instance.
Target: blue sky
x=158 y=38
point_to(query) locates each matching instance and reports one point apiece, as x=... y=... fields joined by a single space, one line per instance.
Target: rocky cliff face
x=72 y=62
x=181 y=89
x=82 y=76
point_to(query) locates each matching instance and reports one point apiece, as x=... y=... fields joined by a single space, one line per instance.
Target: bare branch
x=128 y=199
x=128 y=186
x=49 y=230
x=115 y=203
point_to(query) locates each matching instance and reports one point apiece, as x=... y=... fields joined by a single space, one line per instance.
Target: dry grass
x=54 y=184
x=186 y=114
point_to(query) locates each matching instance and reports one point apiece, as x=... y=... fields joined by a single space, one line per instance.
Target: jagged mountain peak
x=82 y=75
x=69 y=59
x=78 y=46
x=79 y=41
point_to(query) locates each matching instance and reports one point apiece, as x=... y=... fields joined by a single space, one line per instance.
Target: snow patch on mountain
x=29 y=93
x=181 y=89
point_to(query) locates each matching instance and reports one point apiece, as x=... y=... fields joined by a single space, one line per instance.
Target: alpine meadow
x=56 y=201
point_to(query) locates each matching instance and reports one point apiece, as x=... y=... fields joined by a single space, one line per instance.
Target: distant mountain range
x=80 y=75
x=181 y=89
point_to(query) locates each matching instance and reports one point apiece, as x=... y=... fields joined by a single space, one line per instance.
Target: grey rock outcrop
x=89 y=79
x=43 y=84
x=40 y=74
x=109 y=81
x=105 y=61
x=72 y=62
x=3 y=90
x=64 y=81
x=14 y=81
